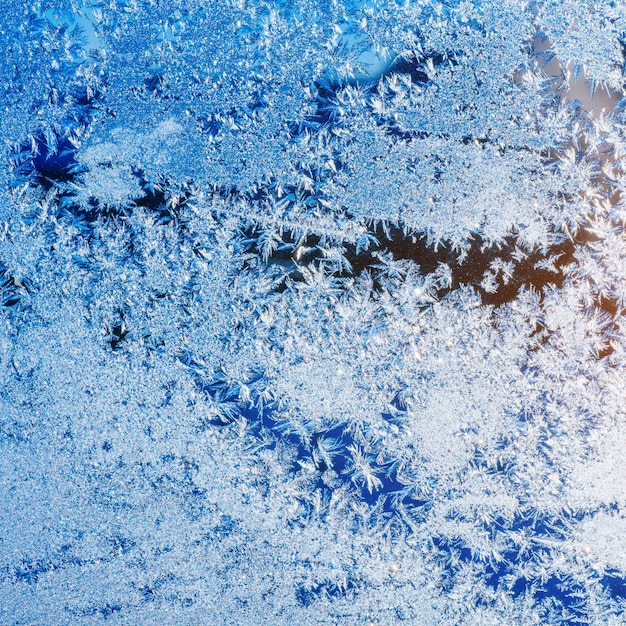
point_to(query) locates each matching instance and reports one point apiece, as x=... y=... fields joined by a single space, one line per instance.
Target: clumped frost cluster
x=312 y=312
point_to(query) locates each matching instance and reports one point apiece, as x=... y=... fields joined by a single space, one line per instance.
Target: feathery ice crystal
x=312 y=312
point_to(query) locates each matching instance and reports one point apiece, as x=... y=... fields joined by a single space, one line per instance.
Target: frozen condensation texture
x=311 y=312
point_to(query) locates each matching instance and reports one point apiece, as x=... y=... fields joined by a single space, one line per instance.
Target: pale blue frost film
x=312 y=312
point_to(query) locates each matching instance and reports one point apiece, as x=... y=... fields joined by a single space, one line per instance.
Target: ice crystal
x=312 y=312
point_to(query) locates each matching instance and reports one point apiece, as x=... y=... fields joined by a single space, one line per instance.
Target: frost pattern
x=225 y=399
